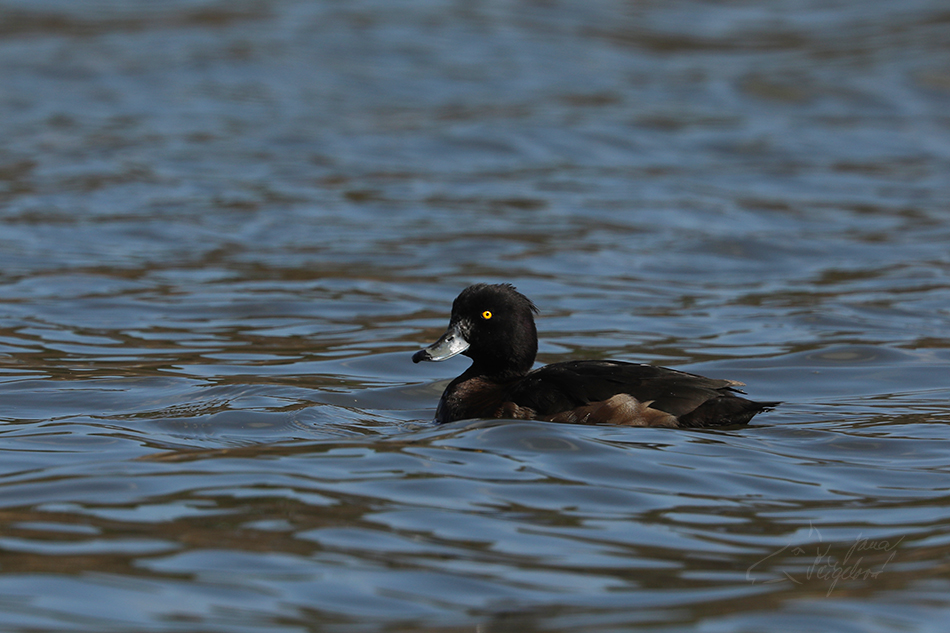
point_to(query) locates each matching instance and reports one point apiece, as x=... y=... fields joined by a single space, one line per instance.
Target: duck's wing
x=563 y=386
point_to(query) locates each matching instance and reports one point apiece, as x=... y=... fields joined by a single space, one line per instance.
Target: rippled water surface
x=226 y=225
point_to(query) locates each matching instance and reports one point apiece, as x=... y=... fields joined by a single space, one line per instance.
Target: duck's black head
x=494 y=326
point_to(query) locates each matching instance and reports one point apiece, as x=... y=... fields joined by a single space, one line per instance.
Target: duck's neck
x=495 y=373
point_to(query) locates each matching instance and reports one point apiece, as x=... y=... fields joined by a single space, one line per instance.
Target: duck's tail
x=724 y=410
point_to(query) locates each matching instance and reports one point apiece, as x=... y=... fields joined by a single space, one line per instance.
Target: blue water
x=226 y=226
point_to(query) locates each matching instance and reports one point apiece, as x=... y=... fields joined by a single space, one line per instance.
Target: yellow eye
x=486 y=315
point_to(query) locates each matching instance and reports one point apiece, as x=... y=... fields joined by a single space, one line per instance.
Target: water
x=225 y=227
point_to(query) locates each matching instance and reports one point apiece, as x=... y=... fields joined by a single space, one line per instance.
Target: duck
x=493 y=324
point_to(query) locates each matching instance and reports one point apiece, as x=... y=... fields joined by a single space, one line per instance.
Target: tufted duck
x=494 y=326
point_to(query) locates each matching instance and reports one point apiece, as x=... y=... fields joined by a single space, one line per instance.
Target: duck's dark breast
x=473 y=397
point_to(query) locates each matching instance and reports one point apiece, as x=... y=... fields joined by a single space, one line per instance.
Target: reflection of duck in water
x=494 y=326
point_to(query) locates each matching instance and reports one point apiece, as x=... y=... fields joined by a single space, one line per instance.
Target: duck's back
x=614 y=392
